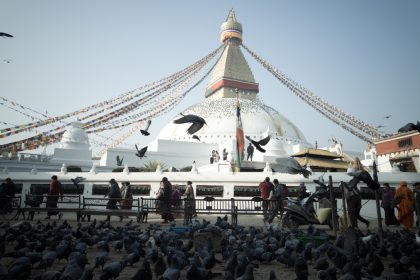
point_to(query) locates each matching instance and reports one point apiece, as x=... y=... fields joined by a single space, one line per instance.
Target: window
x=69 y=189
x=19 y=188
x=241 y=191
x=209 y=190
x=39 y=188
x=405 y=143
x=141 y=189
x=100 y=189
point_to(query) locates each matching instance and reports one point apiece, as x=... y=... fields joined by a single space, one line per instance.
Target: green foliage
x=74 y=168
x=186 y=169
x=174 y=169
x=130 y=168
x=151 y=166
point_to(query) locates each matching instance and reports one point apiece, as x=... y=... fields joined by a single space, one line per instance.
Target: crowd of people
x=274 y=195
x=169 y=197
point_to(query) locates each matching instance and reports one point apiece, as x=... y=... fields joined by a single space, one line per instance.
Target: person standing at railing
x=55 y=191
x=387 y=198
x=406 y=206
x=277 y=200
x=265 y=188
x=166 y=201
x=114 y=195
x=176 y=199
x=126 y=196
x=10 y=188
x=7 y=193
x=189 y=195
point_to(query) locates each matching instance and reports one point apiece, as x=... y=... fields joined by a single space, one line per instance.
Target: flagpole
x=239 y=134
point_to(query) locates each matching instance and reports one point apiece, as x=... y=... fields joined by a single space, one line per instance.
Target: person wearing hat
x=406 y=205
x=114 y=195
x=55 y=191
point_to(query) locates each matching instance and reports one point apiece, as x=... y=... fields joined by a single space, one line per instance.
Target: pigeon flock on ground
x=99 y=250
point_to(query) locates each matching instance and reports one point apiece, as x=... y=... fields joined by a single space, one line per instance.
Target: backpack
x=278 y=189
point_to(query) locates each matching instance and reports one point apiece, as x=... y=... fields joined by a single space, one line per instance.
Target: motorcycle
x=304 y=212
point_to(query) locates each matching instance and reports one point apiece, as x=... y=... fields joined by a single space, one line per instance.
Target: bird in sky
x=258 y=144
x=197 y=122
x=4 y=35
x=145 y=131
x=77 y=180
x=6 y=60
x=119 y=161
x=380 y=126
x=196 y=137
x=141 y=153
x=387 y=117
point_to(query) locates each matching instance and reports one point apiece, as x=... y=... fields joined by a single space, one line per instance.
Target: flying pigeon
x=119 y=161
x=409 y=127
x=140 y=153
x=4 y=35
x=197 y=122
x=196 y=137
x=258 y=144
x=380 y=126
x=77 y=180
x=145 y=131
x=387 y=117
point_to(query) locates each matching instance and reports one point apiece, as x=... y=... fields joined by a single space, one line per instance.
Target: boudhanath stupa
x=231 y=81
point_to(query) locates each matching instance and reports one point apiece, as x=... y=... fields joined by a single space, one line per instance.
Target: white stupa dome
x=75 y=138
x=258 y=120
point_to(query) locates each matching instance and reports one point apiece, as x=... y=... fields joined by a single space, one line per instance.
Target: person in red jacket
x=265 y=188
x=55 y=191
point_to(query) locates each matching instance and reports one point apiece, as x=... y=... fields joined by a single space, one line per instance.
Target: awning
x=318 y=153
x=323 y=163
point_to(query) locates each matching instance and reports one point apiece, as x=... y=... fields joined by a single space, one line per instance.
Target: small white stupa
x=74 y=147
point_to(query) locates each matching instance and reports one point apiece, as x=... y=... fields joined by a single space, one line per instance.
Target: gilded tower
x=232 y=70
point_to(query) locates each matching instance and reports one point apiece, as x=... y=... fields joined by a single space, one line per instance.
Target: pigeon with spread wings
x=197 y=122
x=145 y=131
x=141 y=153
x=119 y=160
x=258 y=144
x=77 y=180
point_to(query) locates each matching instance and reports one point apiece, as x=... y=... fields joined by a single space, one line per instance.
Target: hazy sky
x=362 y=56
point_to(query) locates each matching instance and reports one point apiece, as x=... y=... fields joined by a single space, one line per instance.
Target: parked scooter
x=304 y=213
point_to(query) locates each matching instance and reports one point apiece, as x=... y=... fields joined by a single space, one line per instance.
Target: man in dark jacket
x=10 y=188
x=249 y=151
x=278 y=200
x=166 y=203
x=114 y=195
